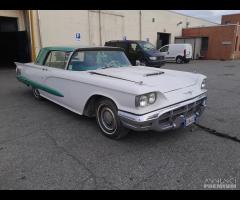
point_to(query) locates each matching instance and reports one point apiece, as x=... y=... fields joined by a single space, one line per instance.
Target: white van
x=180 y=53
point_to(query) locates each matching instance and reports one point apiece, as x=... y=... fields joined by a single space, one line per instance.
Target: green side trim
x=39 y=86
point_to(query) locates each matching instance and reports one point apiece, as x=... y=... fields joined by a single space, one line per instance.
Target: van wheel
x=179 y=60
x=108 y=120
x=36 y=94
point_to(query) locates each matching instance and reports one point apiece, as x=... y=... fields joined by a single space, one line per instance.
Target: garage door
x=13 y=43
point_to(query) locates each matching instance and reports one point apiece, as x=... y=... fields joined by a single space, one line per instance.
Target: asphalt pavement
x=44 y=146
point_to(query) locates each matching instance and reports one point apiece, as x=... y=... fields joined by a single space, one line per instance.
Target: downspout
x=100 y=28
x=39 y=32
x=140 y=24
x=32 y=35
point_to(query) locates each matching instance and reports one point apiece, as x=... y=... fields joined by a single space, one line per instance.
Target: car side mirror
x=138 y=63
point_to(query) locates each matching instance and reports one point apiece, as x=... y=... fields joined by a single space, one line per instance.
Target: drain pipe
x=30 y=17
x=140 y=24
x=100 y=28
x=39 y=32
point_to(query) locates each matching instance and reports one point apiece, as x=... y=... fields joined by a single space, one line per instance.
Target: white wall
x=59 y=27
x=15 y=13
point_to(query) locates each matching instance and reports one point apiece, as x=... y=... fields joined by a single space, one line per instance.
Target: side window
x=57 y=59
x=164 y=49
x=133 y=48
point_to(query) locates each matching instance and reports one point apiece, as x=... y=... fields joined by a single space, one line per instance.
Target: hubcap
x=36 y=93
x=106 y=119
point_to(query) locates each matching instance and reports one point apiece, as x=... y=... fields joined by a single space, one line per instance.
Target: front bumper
x=157 y=63
x=168 y=118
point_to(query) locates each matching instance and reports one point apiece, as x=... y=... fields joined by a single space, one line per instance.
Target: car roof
x=126 y=41
x=73 y=48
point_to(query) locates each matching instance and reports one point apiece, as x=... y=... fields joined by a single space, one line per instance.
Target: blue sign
x=77 y=36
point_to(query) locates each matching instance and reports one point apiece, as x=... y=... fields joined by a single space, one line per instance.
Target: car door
x=134 y=53
x=54 y=69
x=165 y=52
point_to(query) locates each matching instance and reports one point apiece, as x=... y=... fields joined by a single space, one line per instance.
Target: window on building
x=227 y=22
x=236 y=43
x=204 y=44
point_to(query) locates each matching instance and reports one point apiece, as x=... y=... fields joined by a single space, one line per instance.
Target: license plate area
x=189 y=120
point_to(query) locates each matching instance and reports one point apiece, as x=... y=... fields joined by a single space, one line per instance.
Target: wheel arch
x=89 y=108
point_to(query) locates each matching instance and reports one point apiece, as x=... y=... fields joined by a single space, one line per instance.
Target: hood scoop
x=154 y=74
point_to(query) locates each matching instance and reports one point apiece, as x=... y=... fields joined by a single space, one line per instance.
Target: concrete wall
x=221 y=42
x=59 y=27
x=15 y=13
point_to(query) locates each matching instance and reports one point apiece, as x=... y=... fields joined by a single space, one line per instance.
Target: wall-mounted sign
x=226 y=42
x=77 y=36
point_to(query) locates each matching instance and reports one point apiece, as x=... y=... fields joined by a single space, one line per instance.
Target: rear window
x=57 y=59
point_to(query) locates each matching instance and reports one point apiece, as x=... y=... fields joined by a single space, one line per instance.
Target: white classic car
x=101 y=82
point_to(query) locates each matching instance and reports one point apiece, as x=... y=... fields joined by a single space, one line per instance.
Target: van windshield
x=146 y=45
x=97 y=59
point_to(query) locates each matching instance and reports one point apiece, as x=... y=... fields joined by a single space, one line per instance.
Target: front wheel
x=36 y=94
x=179 y=60
x=108 y=120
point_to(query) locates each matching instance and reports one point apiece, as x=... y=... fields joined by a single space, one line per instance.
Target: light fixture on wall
x=179 y=23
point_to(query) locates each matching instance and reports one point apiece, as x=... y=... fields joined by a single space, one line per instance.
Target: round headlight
x=203 y=85
x=143 y=101
x=151 y=98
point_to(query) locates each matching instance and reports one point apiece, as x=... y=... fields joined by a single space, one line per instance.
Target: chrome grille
x=186 y=111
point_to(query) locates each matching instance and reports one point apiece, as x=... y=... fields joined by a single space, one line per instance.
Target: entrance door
x=163 y=39
x=14 y=44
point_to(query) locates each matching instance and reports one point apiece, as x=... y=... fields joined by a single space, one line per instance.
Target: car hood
x=161 y=79
x=153 y=52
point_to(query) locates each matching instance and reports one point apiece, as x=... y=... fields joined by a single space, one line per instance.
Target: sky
x=211 y=15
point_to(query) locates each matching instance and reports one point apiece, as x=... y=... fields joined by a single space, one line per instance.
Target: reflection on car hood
x=162 y=79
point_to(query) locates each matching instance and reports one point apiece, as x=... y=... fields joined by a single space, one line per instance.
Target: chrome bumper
x=170 y=117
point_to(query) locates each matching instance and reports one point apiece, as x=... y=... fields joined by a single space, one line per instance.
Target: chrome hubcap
x=107 y=119
x=36 y=93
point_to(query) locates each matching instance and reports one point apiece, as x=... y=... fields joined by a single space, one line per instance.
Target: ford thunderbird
x=101 y=82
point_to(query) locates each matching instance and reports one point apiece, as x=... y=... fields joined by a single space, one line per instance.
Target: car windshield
x=146 y=45
x=97 y=59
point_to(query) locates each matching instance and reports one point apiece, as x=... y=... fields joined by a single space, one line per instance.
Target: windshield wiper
x=109 y=66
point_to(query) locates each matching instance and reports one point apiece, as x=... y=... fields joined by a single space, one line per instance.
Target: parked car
x=139 y=51
x=180 y=53
x=101 y=82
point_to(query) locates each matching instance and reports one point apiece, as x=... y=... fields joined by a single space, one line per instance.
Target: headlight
x=151 y=98
x=153 y=58
x=145 y=99
x=204 y=85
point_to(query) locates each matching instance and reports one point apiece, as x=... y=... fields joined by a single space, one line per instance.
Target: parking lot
x=44 y=146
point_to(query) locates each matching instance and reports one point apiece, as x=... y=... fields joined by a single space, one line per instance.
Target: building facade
x=221 y=42
x=95 y=27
